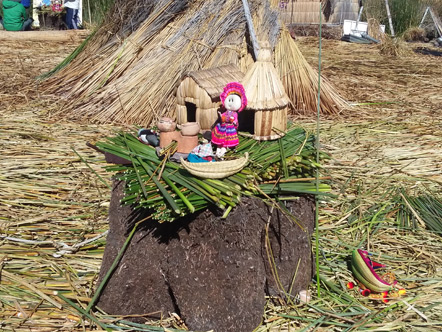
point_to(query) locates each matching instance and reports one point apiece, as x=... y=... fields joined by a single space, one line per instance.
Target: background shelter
x=302 y=12
x=129 y=70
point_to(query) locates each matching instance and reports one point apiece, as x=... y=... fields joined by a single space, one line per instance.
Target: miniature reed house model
x=266 y=97
x=198 y=95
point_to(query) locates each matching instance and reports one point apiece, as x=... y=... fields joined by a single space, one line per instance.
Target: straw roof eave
x=265 y=108
x=213 y=80
x=269 y=105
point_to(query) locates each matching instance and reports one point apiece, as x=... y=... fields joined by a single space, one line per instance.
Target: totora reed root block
x=214 y=273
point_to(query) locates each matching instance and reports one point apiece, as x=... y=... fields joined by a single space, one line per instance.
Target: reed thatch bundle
x=301 y=81
x=374 y=30
x=303 y=12
x=393 y=47
x=264 y=88
x=129 y=74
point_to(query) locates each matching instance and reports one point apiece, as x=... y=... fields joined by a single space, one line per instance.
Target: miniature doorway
x=191 y=112
x=246 y=120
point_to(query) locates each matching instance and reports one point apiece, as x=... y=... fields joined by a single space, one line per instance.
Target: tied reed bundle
x=414 y=34
x=301 y=81
x=395 y=47
x=374 y=30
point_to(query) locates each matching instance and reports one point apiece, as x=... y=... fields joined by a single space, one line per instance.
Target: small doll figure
x=148 y=137
x=203 y=152
x=225 y=134
x=56 y=6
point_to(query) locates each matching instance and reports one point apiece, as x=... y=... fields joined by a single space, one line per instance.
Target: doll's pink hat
x=236 y=88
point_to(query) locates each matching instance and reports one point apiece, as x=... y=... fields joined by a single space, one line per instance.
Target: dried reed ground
x=50 y=197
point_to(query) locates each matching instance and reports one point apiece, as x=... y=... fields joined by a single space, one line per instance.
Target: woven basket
x=216 y=170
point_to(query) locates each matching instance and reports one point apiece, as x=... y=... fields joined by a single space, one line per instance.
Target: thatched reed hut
x=307 y=11
x=343 y=10
x=301 y=11
x=198 y=95
x=129 y=70
x=266 y=97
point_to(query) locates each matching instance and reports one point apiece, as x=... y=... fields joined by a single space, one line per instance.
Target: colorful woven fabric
x=236 y=88
x=203 y=150
x=225 y=134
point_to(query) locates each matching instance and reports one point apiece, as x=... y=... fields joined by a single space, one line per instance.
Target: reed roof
x=343 y=10
x=213 y=80
x=262 y=84
x=302 y=12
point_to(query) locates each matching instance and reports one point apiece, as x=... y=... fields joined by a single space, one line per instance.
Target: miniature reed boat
x=216 y=170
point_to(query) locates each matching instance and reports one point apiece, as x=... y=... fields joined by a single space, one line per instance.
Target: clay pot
x=166 y=124
x=190 y=129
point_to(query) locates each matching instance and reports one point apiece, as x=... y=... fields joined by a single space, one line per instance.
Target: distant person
x=72 y=7
x=15 y=17
x=26 y=4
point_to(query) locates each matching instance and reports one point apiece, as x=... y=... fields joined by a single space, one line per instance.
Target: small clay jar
x=166 y=124
x=190 y=129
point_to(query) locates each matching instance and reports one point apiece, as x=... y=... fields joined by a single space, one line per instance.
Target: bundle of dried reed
x=301 y=80
x=374 y=30
x=393 y=47
x=414 y=34
x=136 y=83
x=134 y=80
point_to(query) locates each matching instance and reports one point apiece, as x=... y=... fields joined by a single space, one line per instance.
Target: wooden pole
x=423 y=18
x=437 y=22
x=359 y=17
x=251 y=28
x=89 y=12
x=389 y=18
x=291 y=15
